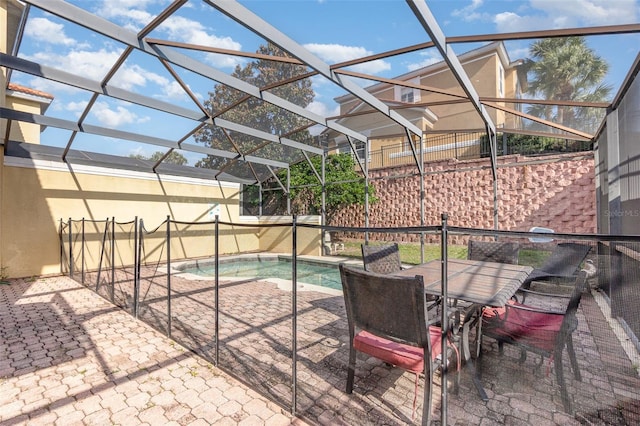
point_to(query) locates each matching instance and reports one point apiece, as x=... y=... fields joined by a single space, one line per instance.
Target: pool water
x=308 y=273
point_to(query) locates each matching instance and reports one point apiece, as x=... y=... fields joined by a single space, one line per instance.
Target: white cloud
x=117 y=117
x=544 y=14
x=470 y=13
x=77 y=108
x=430 y=58
x=193 y=32
x=588 y=12
x=335 y=53
x=131 y=13
x=323 y=109
x=46 y=31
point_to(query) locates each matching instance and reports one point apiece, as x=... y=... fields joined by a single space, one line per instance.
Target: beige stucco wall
x=22 y=131
x=36 y=196
x=279 y=240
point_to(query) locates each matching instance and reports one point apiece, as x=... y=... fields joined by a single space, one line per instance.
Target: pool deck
x=69 y=356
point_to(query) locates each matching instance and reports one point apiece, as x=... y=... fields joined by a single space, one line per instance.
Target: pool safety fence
x=283 y=343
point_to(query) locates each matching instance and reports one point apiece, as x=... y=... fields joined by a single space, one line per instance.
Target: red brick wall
x=556 y=192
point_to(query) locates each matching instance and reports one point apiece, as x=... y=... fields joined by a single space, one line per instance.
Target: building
x=433 y=100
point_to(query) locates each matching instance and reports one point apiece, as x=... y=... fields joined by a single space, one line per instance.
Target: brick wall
x=556 y=192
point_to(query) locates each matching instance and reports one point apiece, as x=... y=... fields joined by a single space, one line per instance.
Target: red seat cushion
x=536 y=329
x=398 y=354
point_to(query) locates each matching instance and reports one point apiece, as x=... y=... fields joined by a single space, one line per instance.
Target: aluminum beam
x=129 y=38
x=73 y=80
x=73 y=126
x=259 y=26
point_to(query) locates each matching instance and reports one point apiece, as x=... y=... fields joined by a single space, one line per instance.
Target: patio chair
x=385 y=259
x=382 y=259
x=561 y=266
x=545 y=332
x=493 y=251
x=388 y=320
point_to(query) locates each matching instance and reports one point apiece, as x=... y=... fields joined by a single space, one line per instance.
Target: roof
x=22 y=89
x=242 y=149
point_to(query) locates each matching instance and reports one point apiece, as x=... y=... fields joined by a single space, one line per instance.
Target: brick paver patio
x=69 y=356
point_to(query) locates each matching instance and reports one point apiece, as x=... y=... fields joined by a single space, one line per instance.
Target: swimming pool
x=308 y=272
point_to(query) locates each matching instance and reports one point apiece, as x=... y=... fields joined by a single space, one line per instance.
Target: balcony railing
x=470 y=145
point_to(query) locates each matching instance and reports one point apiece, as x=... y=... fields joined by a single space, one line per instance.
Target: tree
x=345 y=186
x=256 y=114
x=174 y=158
x=566 y=69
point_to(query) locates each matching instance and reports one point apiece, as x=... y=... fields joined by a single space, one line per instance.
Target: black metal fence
x=471 y=145
x=287 y=341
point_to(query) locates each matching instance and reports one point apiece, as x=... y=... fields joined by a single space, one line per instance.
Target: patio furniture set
x=395 y=313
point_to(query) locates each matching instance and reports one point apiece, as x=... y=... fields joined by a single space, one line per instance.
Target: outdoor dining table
x=478 y=283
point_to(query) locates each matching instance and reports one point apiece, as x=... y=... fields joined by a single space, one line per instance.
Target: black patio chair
x=382 y=259
x=561 y=266
x=545 y=332
x=388 y=319
x=493 y=251
x=385 y=259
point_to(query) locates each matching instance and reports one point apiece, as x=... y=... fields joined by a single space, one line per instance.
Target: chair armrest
x=524 y=292
x=533 y=309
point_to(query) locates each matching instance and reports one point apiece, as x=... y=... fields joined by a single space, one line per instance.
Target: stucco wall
x=36 y=195
x=556 y=192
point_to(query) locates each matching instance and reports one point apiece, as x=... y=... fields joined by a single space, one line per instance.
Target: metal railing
x=251 y=330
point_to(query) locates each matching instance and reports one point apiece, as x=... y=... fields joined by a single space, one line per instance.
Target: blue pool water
x=308 y=273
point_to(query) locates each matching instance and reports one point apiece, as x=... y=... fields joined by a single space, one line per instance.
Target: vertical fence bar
x=444 y=319
x=169 y=276
x=136 y=270
x=113 y=259
x=294 y=319
x=70 y=250
x=61 y=246
x=217 y=291
x=82 y=254
x=136 y=296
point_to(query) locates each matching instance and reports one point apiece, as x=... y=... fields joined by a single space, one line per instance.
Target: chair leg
x=427 y=399
x=351 y=370
x=557 y=360
x=572 y=358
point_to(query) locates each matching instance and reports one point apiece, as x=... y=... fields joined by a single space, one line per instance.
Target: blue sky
x=334 y=30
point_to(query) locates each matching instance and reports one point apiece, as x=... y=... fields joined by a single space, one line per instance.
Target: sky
x=333 y=30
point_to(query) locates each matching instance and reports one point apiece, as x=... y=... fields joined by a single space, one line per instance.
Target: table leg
x=471 y=318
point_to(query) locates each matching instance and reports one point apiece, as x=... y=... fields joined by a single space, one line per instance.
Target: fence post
x=70 y=250
x=217 y=290
x=444 y=319
x=82 y=254
x=168 y=276
x=136 y=289
x=135 y=266
x=294 y=322
x=113 y=259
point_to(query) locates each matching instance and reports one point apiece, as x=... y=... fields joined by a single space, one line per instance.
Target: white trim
x=28 y=96
x=57 y=166
x=438 y=148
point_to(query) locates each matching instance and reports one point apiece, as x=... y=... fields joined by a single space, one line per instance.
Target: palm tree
x=567 y=69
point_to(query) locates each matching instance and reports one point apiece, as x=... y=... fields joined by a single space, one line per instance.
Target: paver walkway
x=69 y=357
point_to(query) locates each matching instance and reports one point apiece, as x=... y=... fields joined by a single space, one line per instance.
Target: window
x=360 y=149
x=407 y=95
